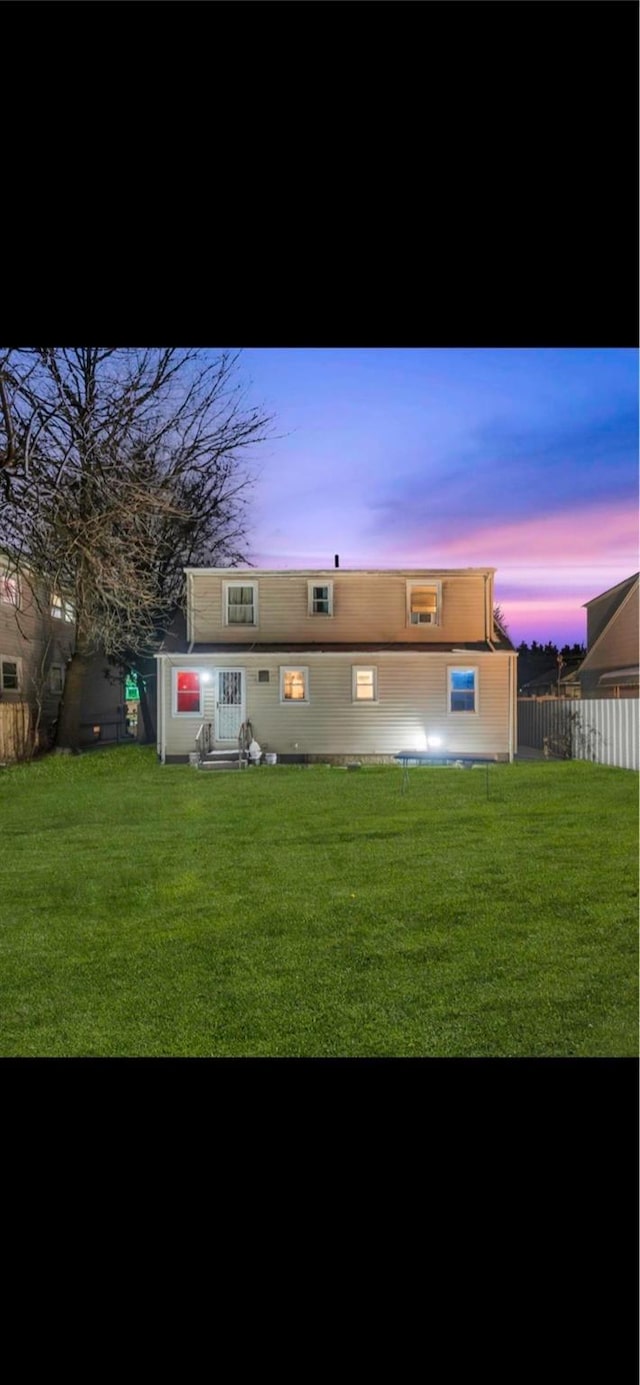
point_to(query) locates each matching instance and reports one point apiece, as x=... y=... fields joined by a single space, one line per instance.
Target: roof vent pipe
x=336 y=560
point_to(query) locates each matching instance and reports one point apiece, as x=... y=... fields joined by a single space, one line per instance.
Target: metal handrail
x=200 y=739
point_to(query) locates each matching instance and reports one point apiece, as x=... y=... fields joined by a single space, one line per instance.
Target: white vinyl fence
x=606 y=730
x=601 y=729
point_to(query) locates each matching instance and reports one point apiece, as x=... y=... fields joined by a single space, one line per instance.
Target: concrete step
x=219 y=765
x=213 y=755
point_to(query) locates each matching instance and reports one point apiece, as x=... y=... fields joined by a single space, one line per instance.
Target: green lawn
x=293 y=911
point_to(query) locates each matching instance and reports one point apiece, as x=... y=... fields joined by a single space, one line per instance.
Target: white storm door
x=229 y=688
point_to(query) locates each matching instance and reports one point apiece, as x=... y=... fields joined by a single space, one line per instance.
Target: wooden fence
x=16 y=731
x=605 y=730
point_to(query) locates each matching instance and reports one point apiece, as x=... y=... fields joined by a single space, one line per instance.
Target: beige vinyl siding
x=412 y=701
x=366 y=606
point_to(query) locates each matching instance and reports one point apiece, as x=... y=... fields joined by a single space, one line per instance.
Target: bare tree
x=121 y=466
x=500 y=622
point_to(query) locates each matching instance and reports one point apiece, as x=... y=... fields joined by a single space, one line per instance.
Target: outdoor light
x=206 y=677
x=433 y=742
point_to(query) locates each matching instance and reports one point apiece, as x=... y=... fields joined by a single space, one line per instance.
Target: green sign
x=131 y=693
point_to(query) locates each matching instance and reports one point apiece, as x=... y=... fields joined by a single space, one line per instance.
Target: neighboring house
x=36 y=640
x=339 y=663
x=37 y=636
x=553 y=683
x=610 y=666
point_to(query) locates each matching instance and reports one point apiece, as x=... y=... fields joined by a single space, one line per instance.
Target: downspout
x=190 y=612
x=160 y=696
x=511 y=707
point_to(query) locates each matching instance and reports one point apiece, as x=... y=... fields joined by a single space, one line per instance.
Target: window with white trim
x=364 y=684
x=463 y=690
x=61 y=609
x=187 y=692
x=320 y=598
x=9 y=591
x=10 y=675
x=294 y=685
x=423 y=603
x=240 y=603
x=56 y=678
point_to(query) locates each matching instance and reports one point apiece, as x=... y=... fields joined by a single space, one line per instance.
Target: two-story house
x=37 y=631
x=333 y=664
x=37 y=637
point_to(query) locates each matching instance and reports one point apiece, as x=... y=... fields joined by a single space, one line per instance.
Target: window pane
x=294 y=690
x=56 y=607
x=321 y=601
x=424 y=599
x=240 y=605
x=365 y=688
x=463 y=689
x=188 y=697
x=463 y=702
x=9 y=676
x=463 y=679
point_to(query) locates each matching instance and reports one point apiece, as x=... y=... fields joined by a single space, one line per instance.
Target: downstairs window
x=463 y=689
x=187 y=699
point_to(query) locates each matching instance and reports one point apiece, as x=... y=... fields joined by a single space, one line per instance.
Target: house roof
x=622 y=588
x=550 y=675
x=345 y=647
x=624 y=592
x=254 y=572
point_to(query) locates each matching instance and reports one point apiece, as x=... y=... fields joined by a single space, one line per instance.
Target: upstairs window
x=320 y=598
x=423 y=603
x=187 y=693
x=463 y=689
x=294 y=685
x=10 y=675
x=8 y=588
x=61 y=609
x=241 y=603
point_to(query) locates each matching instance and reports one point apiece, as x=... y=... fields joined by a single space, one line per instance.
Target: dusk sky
x=523 y=460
